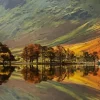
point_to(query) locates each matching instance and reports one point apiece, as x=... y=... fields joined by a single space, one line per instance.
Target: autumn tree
x=31 y=52
x=28 y=53
x=6 y=54
x=61 y=55
x=51 y=56
x=43 y=55
x=70 y=55
x=25 y=54
x=94 y=57
x=37 y=50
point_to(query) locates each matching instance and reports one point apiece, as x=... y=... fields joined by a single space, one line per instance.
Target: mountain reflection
x=5 y=73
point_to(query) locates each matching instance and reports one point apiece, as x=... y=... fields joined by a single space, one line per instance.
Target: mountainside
x=90 y=46
x=86 y=32
x=48 y=21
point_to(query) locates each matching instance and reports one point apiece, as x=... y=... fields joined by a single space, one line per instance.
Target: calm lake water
x=36 y=74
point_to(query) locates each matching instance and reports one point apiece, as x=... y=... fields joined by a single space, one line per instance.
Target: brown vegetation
x=5 y=54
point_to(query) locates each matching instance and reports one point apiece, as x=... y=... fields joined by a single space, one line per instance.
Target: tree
x=31 y=52
x=72 y=55
x=51 y=56
x=94 y=57
x=37 y=49
x=25 y=54
x=61 y=55
x=43 y=52
x=6 y=54
x=86 y=56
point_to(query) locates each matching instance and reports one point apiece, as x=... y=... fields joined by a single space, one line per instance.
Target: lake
x=37 y=73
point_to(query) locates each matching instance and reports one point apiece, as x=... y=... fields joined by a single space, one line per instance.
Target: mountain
x=90 y=46
x=49 y=22
x=85 y=32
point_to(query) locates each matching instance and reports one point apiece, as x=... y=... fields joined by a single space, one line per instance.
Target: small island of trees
x=43 y=62
x=35 y=54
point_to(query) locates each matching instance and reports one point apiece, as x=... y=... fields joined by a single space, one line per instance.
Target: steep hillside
x=85 y=32
x=90 y=46
x=43 y=21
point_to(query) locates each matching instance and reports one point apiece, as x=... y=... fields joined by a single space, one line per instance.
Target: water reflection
x=90 y=69
x=58 y=73
x=30 y=73
x=45 y=72
x=5 y=73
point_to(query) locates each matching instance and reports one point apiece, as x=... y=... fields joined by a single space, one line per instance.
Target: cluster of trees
x=57 y=56
x=47 y=54
x=34 y=51
x=90 y=56
x=5 y=54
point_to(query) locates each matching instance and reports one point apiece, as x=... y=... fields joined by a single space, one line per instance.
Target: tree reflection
x=5 y=73
x=90 y=69
x=66 y=72
x=30 y=74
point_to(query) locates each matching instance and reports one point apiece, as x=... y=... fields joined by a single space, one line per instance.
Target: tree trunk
x=37 y=66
